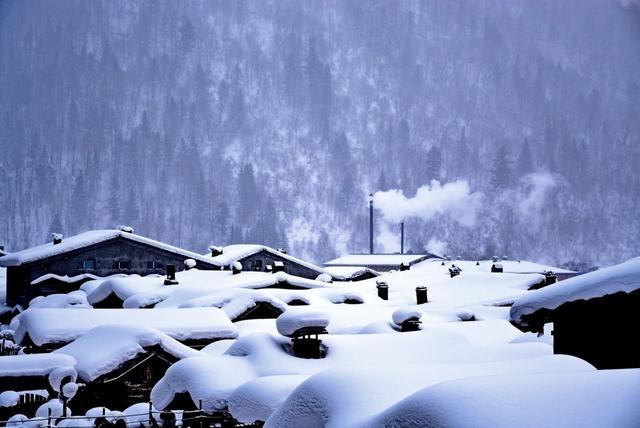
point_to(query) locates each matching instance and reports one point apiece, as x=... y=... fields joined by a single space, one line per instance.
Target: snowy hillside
x=270 y=121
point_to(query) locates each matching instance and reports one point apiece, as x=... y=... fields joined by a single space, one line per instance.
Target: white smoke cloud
x=437 y=247
x=534 y=193
x=388 y=239
x=454 y=199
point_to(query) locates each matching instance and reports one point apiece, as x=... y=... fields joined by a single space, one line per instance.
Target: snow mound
x=9 y=398
x=607 y=398
x=295 y=319
x=75 y=299
x=33 y=364
x=57 y=375
x=401 y=315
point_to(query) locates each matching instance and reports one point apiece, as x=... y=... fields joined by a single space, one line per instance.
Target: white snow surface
x=33 y=364
x=9 y=398
x=353 y=396
x=108 y=347
x=295 y=319
x=74 y=299
x=86 y=239
x=582 y=399
x=347 y=273
x=49 y=326
x=624 y=277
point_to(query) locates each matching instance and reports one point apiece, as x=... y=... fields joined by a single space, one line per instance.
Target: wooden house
x=259 y=258
x=594 y=315
x=47 y=269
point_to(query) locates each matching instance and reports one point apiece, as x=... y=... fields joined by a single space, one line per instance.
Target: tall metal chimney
x=370 y=223
x=402 y=238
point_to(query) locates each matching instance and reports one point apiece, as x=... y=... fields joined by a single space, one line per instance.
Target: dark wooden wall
x=602 y=331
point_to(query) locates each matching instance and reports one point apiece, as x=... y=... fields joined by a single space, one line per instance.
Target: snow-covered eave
x=87 y=239
x=65 y=278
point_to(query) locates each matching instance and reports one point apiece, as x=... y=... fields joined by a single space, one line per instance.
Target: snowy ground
x=372 y=373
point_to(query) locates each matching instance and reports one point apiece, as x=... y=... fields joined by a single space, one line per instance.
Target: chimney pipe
x=370 y=223
x=421 y=295
x=57 y=238
x=171 y=275
x=383 y=290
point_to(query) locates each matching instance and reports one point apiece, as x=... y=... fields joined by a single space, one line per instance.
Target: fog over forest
x=489 y=127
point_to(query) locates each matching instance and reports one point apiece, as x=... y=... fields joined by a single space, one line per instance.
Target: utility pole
x=370 y=223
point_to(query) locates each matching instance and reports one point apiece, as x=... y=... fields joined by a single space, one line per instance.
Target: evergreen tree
x=434 y=163
x=501 y=170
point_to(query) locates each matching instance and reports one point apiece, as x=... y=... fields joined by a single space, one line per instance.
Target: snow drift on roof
x=47 y=326
x=33 y=364
x=234 y=253
x=105 y=348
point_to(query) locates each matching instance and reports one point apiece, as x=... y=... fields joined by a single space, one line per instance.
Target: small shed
x=594 y=316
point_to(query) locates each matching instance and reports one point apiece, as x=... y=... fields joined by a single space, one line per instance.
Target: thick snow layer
x=233 y=253
x=33 y=364
x=121 y=286
x=106 y=348
x=401 y=315
x=86 y=239
x=75 y=299
x=9 y=398
x=607 y=398
x=624 y=277
x=56 y=408
x=375 y=259
x=352 y=396
x=57 y=375
x=48 y=326
x=213 y=379
x=295 y=319
x=234 y=302
x=256 y=400
x=138 y=414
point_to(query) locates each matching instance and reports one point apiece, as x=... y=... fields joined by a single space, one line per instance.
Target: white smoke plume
x=436 y=246
x=534 y=193
x=454 y=199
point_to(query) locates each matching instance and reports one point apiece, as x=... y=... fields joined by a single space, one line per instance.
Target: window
x=256 y=264
x=155 y=264
x=124 y=264
x=89 y=264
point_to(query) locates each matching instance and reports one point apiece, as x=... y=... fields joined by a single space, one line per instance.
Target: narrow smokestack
x=370 y=223
x=402 y=238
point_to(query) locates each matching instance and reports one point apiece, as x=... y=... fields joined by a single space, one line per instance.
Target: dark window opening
x=155 y=264
x=89 y=264
x=256 y=264
x=124 y=264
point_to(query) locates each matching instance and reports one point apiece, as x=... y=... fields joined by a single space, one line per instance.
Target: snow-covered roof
x=232 y=253
x=624 y=277
x=33 y=364
x=377 y=259
x=346 y=273
x=49 y=326
x=297 y=319
x=86 y=239
x=108 y=347
x=64 y=278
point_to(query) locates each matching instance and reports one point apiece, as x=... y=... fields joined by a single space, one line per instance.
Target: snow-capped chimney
x=57 y=238
x=215 y=250
x=125 y=228
x=236 y=267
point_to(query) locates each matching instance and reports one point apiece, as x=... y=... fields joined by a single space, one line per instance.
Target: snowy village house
x=594 y=316
x=63 y=264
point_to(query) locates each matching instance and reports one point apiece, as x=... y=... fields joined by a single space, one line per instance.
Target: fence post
x=49 y=417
